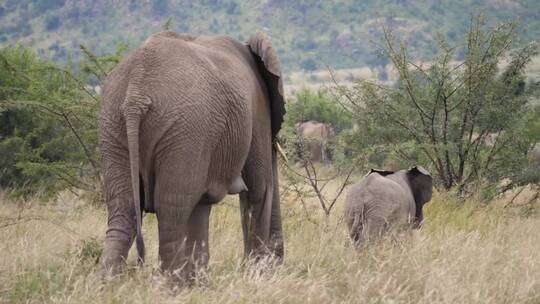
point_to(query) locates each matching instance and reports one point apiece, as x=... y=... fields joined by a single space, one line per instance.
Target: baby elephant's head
x=421 y=185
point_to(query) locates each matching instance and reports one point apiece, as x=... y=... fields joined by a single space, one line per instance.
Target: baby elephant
x=386 y=199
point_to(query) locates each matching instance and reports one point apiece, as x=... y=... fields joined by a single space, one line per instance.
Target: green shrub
x=465 y=121
x=319 y=106
x=48 y=115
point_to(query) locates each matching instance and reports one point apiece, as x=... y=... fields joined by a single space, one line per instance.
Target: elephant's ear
x=419 y=170
x=270 y=69
x=381 y=172
x=421 y=184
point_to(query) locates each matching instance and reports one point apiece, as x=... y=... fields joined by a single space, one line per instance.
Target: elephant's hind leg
x=182 y=219
x=356 y=229
x=183 y=236
x=173 y=212
x=261 y=218
x=120 y=234
x=375 y=229
x=197 y=238
x=121 y=214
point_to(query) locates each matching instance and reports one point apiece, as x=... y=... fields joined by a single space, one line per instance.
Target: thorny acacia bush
x=48 y=115
x=462 y=119
x=304 y=178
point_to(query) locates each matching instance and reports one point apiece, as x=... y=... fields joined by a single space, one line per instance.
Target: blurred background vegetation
x=460 y=101
x=48 y=115
x=309 y=35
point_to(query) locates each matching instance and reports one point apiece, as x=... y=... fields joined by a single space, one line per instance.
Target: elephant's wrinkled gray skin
x=383 y=200
x=184 y=121
x=314 y=135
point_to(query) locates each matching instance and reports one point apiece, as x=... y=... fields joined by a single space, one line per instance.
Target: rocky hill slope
x=309 y=34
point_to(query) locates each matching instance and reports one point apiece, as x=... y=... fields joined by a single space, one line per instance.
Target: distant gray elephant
x=184 y=121
x=315 y=136
x=386 y=199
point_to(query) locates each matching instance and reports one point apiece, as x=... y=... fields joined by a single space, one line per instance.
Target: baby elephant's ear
x=419 y=169
x=270 y=70
x=421 y=184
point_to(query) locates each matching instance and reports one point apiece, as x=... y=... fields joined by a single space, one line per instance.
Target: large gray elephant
x=184 y=121
x=314 y=136
x=383 y=200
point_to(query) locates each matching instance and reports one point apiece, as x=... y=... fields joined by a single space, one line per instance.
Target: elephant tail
x=134 y=110
x=356 y=230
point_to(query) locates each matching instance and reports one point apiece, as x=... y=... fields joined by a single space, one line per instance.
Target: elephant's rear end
x=194 y=130
x=198 y=127
x=370 y=207
x=354 y=213
x=178 y=115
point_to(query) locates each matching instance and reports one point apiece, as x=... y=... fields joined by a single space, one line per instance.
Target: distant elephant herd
x=186 y=120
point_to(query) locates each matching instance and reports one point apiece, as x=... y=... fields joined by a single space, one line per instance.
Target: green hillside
x=309 y=34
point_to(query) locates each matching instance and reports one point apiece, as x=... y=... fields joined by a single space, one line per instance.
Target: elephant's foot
x=119 y=236
x=113 y=262
x=115 y=252
x=268 y=254
x=184 y=268
x=277 y=250
x=259 y=248
x=188 y=274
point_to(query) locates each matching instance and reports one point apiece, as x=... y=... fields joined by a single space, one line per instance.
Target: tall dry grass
x=465 y=253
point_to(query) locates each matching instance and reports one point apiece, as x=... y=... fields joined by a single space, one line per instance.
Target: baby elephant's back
x=377 y=199
x=375 y=189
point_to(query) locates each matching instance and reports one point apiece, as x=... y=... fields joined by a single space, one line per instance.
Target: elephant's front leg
x=197 y=238
x=255 y=225
x=276 y=230
x=120 y=234
x=261 y=218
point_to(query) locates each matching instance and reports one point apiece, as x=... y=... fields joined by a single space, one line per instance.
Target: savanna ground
x=466 y=252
